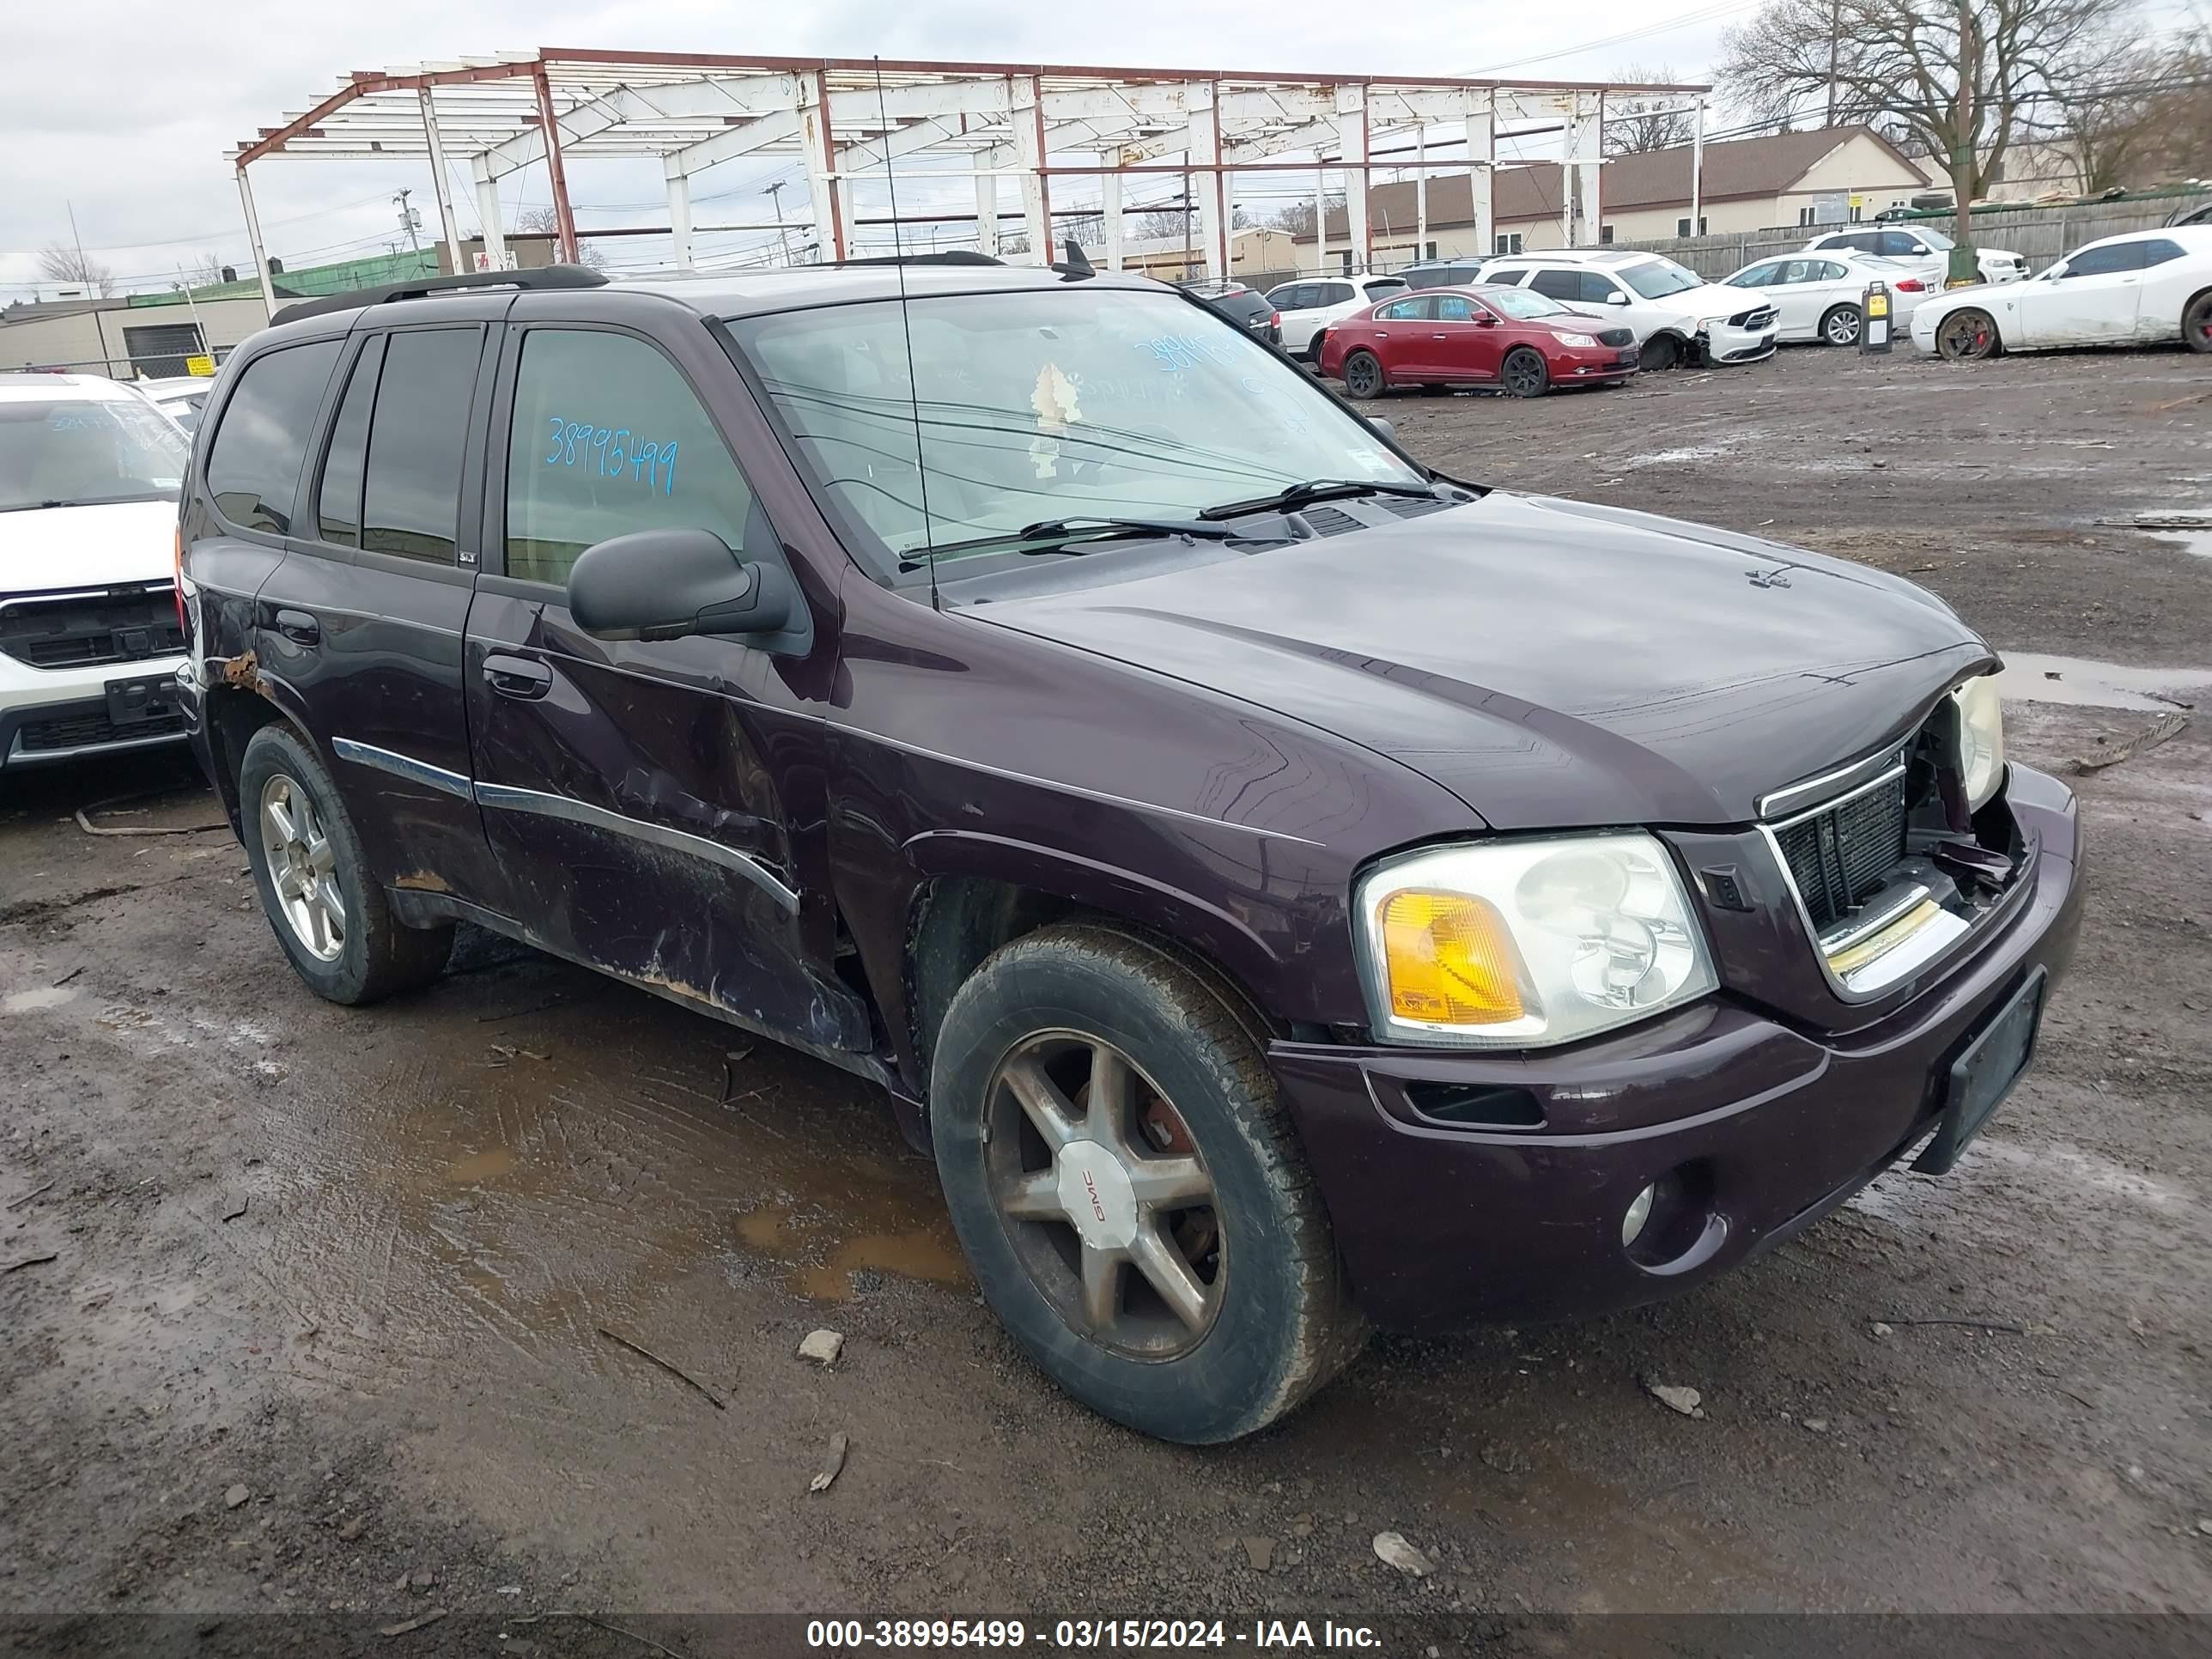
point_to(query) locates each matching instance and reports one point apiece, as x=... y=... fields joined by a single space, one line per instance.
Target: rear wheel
x=2196 y=322
x=1965 y=334
x=1661 y=351
x=1840 y=327
x=1129 y=1190
x=1363 y=375
x=1524 y=374
x=322 y=899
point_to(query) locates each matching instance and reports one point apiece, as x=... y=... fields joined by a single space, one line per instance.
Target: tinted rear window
x=412 y=498
x=253 y=468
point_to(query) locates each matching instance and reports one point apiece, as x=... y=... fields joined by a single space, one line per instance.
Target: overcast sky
x=123 y=108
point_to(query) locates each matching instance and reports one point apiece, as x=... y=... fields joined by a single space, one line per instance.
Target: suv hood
x=43 y=549
x=1551 y=663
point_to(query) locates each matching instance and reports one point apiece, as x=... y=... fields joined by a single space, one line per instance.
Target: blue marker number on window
x=600 y=451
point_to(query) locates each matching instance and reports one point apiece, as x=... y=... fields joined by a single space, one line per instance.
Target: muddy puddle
x=2080 y=683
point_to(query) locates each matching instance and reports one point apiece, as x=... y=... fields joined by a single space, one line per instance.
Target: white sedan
x=1816 y=297
x=1927 y=250
x=2147 y=287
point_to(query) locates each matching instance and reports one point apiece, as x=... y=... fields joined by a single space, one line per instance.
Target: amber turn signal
x=1448 y=959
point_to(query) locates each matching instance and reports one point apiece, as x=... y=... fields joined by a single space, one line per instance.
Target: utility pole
x=207 y=347
x=775 y=200
x=83 y=270
x=409 y=221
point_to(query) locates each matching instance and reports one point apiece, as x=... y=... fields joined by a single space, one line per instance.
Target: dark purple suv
x=1285 y=889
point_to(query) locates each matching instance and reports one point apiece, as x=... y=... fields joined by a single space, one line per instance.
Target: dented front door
x=648 y=800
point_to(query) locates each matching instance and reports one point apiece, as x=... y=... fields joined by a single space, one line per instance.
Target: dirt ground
x=306 y=1310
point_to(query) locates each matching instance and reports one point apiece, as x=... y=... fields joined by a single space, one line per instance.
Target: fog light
x=1639 y=1212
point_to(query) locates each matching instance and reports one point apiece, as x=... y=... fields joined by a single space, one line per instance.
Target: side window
x=1558 y=284
x=609 y=438
x=2158 y=252
x=1891 y=244
x=411 y=495
x=1756 y=276
x=1597 y=286
x=1454 y=308
x=2104 y=261
x=337 y=503
x=253 y=466
x=1834 y=270
x=1289 y=297
x=1401 y=311
x=1335 y=294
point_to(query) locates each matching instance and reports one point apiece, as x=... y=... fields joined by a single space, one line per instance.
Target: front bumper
x=1441 y=1226
x=50 y=715
x=1571 y=363
x=1726 y=344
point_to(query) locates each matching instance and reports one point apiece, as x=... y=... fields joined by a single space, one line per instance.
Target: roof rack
x=958 y=256
x=537 y=276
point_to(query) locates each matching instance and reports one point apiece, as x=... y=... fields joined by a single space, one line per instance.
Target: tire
x=1272 y=1322
x=1524 y=373
x=2196 y=322
x=1363 y=375
x=361 y=953
x=1966 y=335
x=1841 y=326
x=1659 y=353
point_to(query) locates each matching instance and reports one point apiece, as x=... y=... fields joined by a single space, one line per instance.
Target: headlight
x=1520 y=944
x=1981 y=738
x=1706 y=325
x=1583 y=340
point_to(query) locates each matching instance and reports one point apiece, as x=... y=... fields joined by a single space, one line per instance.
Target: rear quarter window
x=253 y=465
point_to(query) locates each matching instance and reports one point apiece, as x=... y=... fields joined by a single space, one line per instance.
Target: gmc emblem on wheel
x=1091 y=1188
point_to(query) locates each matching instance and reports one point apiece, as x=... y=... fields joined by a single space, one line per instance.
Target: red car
x=1510 y=338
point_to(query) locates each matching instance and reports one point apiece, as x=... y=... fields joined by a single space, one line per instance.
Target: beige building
x=1792 y=178
x=118 y=338
x=1258 y=251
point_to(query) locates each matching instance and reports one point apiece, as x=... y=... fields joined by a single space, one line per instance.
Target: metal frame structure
x=848 y=120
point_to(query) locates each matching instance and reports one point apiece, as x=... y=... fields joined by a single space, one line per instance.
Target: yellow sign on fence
x=202 y=366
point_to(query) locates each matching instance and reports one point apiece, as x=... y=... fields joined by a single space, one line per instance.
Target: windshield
x=1524 y=302
x=1045 y=406
x=82 y=451
x=1655 y=279
x=1935 y=239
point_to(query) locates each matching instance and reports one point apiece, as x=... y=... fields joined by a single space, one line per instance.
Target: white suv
x=90 y=636
x=1677 y=316
x=1927 y=251
x=1310 y=305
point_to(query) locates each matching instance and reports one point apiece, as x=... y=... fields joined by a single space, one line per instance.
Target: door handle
x=1440 y=337
x=516 y=677
x=1381 y=333
x=299 y=626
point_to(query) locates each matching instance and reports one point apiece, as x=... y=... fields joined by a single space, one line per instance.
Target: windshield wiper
x=1313 y=489
x=1056 y=535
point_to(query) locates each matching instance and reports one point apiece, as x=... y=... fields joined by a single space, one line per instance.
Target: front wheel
x=1128 y=1188
x=1840 y=327
x=1524 y=374
x=1363 y=375
x=2197 y=323
x=1660 y=352
x=1965 y=334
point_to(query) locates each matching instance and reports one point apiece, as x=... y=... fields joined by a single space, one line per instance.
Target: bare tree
x=203 y=269
x=1162 y=224
x=2139 y=114
x=1638 y=124
x=1958 y=73
x=63 y=264
x=543 y=222
x=1297 y=217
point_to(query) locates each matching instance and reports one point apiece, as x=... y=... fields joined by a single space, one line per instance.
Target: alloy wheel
x=1524 y=373
x=302 y=868
x=1104 y=1195
x=1842 y=328
x=1965 y=334
x=1363 y=377
x=2196 y=326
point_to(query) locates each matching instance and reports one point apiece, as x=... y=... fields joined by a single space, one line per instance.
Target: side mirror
x=664 y=583
x=1616 y=298
x=1918 y=247
x=1383 y=426
x=1485 y=319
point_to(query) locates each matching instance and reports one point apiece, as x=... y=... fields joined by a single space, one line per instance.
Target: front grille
x=1616 y=337
x=1840 y=857
x=1758 y=317
x=87 y=731
x=84 y=630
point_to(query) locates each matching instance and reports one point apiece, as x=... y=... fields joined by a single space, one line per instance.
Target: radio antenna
x=906 y=328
